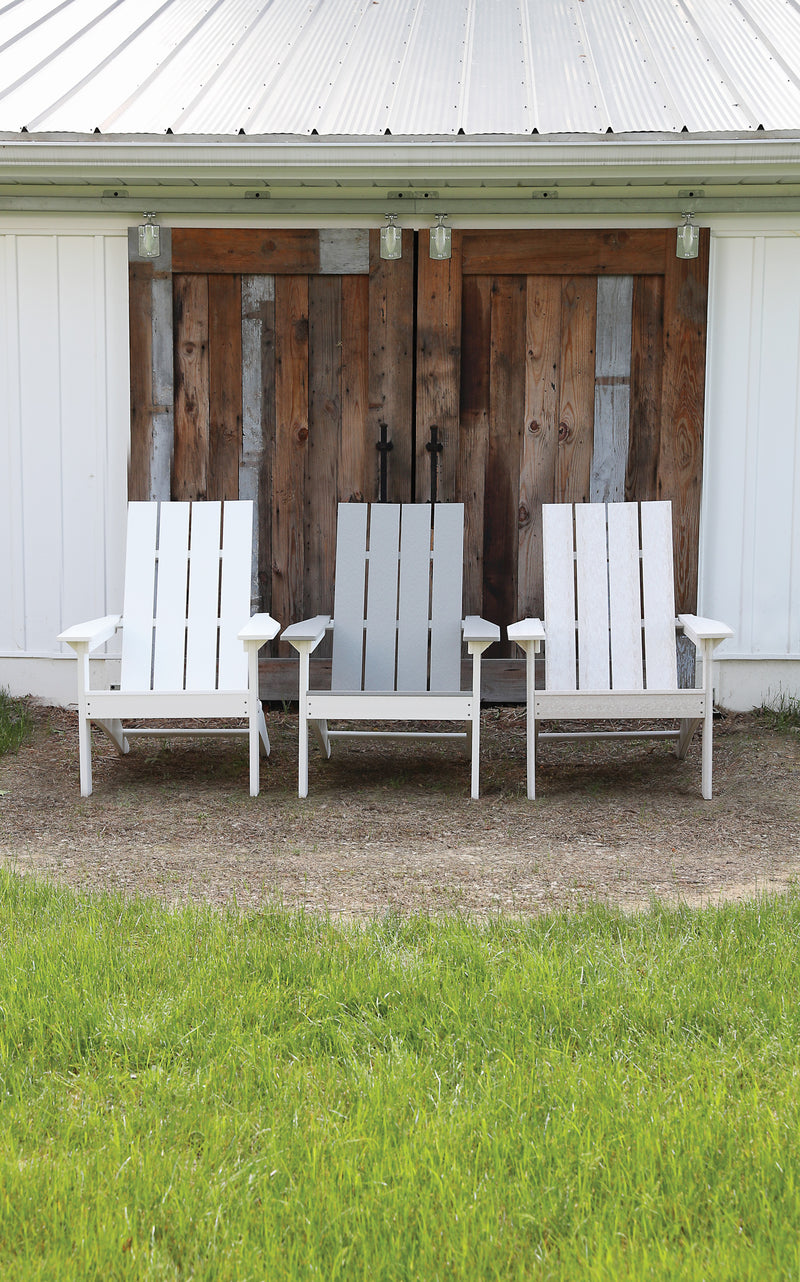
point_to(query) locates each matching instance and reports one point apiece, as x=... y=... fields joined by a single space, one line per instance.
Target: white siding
x=63 y=433
x=750 y=555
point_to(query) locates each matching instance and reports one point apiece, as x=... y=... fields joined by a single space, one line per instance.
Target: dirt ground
x=391 y=828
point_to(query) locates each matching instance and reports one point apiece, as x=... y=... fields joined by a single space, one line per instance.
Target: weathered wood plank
x=438 y=372
x=474 y=429
x=324 y=431
x=291 y=447
x=141 y=356
x=507 y=408
x=566 y=252
x=502 y=680
x=681 y=455
x=540 y=437
x=647 y=355
x=576 y=401
x=224 y=385
x=258 y=424
x=356 y=481
x=163 y=443
x=190 y=456
x=344 y=251
x=245 y=250
x=612 y=388
x=391 y=341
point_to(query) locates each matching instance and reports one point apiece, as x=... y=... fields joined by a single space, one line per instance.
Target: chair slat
x=139 y=600
x=348 y=606
x=592 y=585
x=237 y=549
x=625 y=596
x=201 y=626
x=382 y=582
x=559 y=596
x=169 y=649
x=414 y=601
x=448 y=566
x=661 y=667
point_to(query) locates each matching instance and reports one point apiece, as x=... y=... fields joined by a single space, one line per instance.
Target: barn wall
x=63 y=443
x=750 y=546
x=64 y=431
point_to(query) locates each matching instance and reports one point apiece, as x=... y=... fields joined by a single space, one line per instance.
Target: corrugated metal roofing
x=406 y=67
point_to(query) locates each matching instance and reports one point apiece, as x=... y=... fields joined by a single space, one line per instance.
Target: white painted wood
x=625 y=596
x=382 y=588
x=237 y=542
x=186 y=704
x=448 y=562
x=617 y=704
x=349 y=602
x=413 y=613
x=366 y=705
x=658 y=593
x=203 y=611
x=138 y=613
x=172 y=579
x=12 y=568
x=592 y=589
x=559 y=595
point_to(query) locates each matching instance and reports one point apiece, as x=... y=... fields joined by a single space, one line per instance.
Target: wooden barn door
x=559 y=366
x=276 y=366
x=298 y=368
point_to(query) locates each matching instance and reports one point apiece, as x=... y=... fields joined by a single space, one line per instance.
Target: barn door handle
x=383 y=446
x=434 y=447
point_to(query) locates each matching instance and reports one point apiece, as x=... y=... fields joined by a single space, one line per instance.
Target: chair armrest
x=261 y=628
x=477 y=629
x=526 y=630
x=698 y=629
x=92 y=633
x=308 y=633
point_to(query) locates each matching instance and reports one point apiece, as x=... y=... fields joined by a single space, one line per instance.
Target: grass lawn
x=199 y=1095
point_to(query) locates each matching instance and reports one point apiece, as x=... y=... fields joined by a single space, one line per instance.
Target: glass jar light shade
x=688 y=243
x=149 y=238
x=391 y=238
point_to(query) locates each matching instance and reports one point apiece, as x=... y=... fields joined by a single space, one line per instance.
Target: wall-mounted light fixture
x=149 y=237
x=391 y=238
x=440 y=238
x=688 y=243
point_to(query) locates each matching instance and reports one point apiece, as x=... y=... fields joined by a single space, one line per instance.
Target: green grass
x=782 y=712
x=196 y=1095
x=14 y=722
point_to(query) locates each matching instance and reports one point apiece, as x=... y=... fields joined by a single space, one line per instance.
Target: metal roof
x=366 y=68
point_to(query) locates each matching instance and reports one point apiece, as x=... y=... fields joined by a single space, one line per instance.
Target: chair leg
x=685 y=735
x=708 y=719
x=302 y=754
x=254 y=739
x=476 y=753
x=320 y=729
x=532 y=731
x=116 y=733
x=85 y=754
x=263 y=736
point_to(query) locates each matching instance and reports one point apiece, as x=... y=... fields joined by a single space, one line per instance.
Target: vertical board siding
x=576 y=405
x=190 y=456
x=291 y=446
x=63 y=423
x=540 y=435
x=507 y=404
x=612 y=391
x=224 y=386
x=391 y=346
x=647 y=322
x=258 y=424
x=438 y=371
x=474 y=439
x=324 y=435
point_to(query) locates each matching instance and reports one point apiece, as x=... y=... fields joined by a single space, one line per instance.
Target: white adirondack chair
x=189 y=646
x=397 y=629
x=608 y=588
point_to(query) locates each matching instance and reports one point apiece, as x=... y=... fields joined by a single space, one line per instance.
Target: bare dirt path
x=392 y=828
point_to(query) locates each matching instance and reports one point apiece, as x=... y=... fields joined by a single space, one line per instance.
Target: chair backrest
x=397 y=602
x=609 y=591
x=187 y=595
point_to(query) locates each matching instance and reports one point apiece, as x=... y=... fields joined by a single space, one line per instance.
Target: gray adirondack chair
x=609 y=629
x=397 y=629
x=189 y=646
